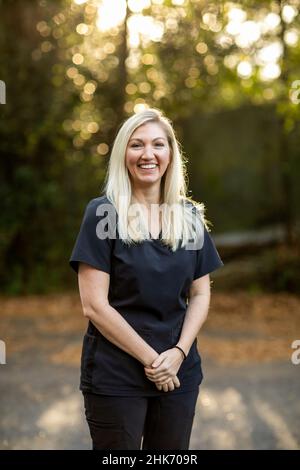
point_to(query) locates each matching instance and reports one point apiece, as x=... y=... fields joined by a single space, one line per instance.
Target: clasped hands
x=164 y=368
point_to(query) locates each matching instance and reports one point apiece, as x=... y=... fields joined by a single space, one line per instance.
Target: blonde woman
x=145 y=291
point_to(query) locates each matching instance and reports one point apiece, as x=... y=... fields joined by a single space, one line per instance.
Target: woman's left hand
x=165 y=366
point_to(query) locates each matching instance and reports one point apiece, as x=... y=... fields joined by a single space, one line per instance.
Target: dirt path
x=249 y=398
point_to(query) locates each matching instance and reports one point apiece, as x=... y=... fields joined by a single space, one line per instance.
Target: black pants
x=159 y=423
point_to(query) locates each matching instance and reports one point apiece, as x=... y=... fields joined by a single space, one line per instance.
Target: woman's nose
x=148 y=151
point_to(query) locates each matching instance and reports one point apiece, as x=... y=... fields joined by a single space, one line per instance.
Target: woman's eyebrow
x=141 y=140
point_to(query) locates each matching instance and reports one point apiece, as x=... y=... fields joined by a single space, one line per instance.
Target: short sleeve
x=89 y=248
x=208 y=258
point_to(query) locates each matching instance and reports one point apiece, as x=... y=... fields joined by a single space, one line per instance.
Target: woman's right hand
x=170 y=385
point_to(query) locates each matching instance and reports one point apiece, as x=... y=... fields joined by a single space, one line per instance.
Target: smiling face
x=148 y=145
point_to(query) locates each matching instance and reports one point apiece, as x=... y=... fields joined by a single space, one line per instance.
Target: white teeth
x=147 y=166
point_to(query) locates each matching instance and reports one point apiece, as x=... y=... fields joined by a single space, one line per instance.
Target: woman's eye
x=160 y=144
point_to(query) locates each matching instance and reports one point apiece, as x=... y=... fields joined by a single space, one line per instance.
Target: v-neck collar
x=156 y=239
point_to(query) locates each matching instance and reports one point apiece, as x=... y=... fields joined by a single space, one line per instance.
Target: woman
x=145 y=291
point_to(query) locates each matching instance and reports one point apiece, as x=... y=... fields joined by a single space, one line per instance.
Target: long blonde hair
x=177 y=209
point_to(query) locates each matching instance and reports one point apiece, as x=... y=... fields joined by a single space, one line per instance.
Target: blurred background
x=228 y=76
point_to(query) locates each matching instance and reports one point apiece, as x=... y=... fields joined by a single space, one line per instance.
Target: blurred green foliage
x=71 y=82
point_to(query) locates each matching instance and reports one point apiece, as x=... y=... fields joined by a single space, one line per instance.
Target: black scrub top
x=149 y=285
